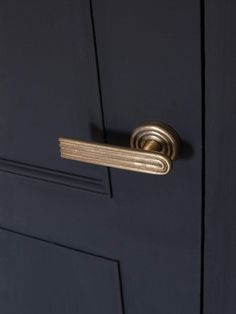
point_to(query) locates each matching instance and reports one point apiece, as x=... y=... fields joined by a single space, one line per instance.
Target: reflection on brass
x=153 y=148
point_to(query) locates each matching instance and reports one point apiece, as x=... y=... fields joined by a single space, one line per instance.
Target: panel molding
x=55 y=177
x=56 y=243
x=45 y=250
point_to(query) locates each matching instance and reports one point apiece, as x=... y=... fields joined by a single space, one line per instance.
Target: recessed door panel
x=38 y=277
x=48 y=83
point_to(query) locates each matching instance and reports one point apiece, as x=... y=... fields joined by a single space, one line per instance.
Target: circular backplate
x=160 y=132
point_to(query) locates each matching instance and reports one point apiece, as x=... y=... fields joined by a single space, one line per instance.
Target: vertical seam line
x=99 y=85
x=203 y=169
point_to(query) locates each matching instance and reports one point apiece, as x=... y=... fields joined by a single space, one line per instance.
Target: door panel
x=150 y=64
x=53 y=279
x=220 y=217
x=49 y=85
x=149 y=60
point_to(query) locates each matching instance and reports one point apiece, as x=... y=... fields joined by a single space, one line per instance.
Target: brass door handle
x=153 y=149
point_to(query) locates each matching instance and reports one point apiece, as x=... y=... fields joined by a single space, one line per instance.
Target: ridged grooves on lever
x=115 y=156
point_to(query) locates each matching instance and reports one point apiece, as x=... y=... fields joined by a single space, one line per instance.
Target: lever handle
x=153 y=149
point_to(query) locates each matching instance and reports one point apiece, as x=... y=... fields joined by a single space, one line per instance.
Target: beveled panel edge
x=53 y=242
x=29 y=171
x=64 y=246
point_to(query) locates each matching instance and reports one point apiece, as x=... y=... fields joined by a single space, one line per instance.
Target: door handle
x=153 y=148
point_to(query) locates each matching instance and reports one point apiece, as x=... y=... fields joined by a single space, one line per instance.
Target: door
x=83 y=238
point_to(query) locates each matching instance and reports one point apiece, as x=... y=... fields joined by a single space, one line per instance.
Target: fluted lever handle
x=153 y=148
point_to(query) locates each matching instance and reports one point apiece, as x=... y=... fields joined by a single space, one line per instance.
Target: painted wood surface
x=71 y=68
x=220 y=224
